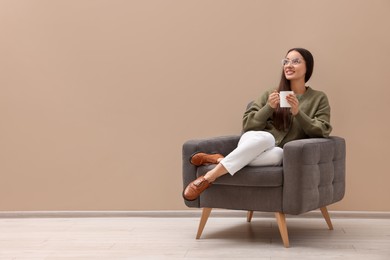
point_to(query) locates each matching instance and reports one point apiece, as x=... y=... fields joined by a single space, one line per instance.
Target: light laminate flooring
x=174 y=238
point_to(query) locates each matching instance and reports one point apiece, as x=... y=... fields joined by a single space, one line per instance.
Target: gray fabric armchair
x=312 y=176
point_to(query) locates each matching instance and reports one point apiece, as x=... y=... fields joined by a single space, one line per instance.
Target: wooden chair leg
x=281 y=218
x=325 y=213
x=249 y=216
x=203 y=220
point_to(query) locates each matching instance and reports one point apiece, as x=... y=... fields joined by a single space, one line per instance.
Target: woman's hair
x=282 y=116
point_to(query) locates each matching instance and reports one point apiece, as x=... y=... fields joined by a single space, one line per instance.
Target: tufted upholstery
x=314 y=174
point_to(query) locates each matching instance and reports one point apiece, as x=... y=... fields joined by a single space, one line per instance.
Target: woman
x=267 y=126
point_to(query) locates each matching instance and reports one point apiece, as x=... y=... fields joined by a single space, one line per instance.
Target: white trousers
x=255 y=148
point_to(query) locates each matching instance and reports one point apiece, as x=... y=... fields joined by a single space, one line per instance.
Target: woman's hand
x=274 y=99
x=294 y=103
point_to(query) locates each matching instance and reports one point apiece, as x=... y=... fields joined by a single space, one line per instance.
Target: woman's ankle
x=209 y=178
x=215 y=173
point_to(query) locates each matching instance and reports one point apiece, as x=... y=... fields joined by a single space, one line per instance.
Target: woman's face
x=294 y=66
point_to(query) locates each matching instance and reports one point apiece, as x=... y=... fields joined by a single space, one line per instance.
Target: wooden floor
x=174 y=237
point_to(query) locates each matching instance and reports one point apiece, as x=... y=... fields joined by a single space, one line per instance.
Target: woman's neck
x=298 y=86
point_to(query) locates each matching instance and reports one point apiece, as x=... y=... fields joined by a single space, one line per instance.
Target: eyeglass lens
x=293 y=61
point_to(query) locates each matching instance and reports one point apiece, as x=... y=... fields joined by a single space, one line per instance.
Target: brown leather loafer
x=199 y=159
x=195 y=188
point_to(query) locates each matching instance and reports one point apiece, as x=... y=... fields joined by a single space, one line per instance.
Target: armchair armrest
x=313 y=173
x=222 y=144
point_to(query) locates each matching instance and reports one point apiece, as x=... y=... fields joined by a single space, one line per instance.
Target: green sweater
x=312 y=120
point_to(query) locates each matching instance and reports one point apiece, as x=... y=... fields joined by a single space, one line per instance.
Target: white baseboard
x=184 y=214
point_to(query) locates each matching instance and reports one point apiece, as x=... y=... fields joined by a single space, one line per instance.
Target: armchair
x=312 y=177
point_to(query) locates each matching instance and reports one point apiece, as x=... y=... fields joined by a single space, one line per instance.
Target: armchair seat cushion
x=249 y=176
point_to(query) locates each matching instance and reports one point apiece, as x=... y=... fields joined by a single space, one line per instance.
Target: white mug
x=283 y=100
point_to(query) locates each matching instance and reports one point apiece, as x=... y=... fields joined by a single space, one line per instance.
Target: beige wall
x=97 y=97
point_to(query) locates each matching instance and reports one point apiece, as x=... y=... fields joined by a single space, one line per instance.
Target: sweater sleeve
x=319 y=124
x=255 y=118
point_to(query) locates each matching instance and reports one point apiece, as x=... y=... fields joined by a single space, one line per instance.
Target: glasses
x=295 y=61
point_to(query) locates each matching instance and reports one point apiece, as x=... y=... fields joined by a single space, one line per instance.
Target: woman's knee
x=260 y=137
x=263 y=137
